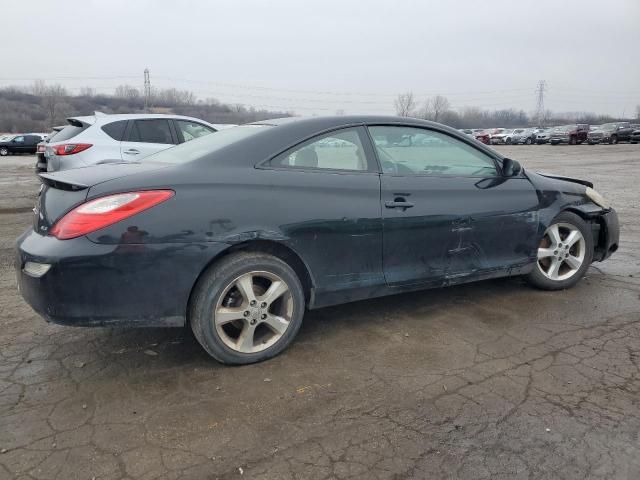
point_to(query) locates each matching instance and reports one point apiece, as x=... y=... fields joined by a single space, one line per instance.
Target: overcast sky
x=316 y=57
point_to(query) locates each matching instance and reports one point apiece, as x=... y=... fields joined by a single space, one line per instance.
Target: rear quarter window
x=115 y=129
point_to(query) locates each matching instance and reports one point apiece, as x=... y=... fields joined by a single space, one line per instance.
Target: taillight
x=105 y=211
x=71 y=148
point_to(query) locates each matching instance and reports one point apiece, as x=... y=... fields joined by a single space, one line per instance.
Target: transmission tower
x=540 y=103
x=147 y=90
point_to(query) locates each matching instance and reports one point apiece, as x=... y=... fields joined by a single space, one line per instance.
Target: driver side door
x=448 y=213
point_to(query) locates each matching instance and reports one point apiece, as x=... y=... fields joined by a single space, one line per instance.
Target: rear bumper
x=91 y=284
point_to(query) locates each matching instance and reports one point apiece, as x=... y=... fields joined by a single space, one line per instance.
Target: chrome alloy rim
x=561 y=252
x=253 y=312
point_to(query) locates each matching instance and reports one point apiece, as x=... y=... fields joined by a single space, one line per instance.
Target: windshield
x=609 y=126
x=198 y=147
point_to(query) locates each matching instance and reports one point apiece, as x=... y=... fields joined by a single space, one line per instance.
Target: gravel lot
x=489 y=380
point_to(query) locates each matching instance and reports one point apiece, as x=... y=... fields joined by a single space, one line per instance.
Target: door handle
x=132 y=151
x=398 y=204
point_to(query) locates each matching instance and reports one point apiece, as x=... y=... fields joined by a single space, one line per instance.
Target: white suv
x=102 y=138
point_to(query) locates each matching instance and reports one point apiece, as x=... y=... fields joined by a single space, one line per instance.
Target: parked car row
x=573 y=134
x=18 y=143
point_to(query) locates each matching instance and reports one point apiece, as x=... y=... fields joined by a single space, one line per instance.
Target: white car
x=102 y=138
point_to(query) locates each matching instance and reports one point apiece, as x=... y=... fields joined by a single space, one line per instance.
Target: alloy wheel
x=561 y=251
x=253 y=312
x=4 y=152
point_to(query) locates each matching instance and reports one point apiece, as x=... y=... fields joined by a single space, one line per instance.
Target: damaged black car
x=237 y=234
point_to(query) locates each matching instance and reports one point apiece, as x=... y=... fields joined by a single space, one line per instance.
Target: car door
x=17 y=145
x=30 y=143
x=328 y=190
x=447 y=212
x=147 y=136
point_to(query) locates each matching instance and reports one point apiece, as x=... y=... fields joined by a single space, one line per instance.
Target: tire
x=591 y=143
x=508 y=141
x=528 y=141
x=613 y=140
x=568 y=271
x=4 y=152
x=573 y=141
x=218 y=284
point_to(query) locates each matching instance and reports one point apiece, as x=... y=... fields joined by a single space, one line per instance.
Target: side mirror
x=510 y=168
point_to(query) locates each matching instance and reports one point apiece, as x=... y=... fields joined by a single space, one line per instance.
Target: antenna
x=542 y=85
x=147 y=90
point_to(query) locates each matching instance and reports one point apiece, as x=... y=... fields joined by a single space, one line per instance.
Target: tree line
x=41 y=106
x=438 y=109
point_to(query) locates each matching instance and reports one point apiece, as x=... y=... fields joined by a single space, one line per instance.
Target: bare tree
x=435 y=108
x=39 y=88
x=53 y=97
x=405 y=104
x=127 y=91
x=87 y=92
x=638 y=112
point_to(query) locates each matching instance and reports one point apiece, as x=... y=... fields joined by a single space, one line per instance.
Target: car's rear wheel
x=4 y=152
x=247 y=308
x=573 y=141
x=613 y=140
x=528 y=141
x=509 y=141
x=564 y=253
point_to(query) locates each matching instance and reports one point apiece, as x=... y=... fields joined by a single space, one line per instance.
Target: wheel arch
x=270 y=247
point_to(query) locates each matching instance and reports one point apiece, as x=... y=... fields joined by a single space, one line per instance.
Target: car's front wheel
x=613 y=140
x=528 y=141
x=247 y=308
x=564 y=253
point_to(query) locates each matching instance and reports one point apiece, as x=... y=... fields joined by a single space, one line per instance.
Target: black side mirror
x=510 y=168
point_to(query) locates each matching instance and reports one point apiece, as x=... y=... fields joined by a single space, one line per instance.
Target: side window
x=191 y=130
x=151 y=131
x=115 y=129
x=339 y=150
x=417 y=151
x=19 y=139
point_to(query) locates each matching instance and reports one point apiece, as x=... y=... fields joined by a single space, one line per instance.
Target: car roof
x=99 y=117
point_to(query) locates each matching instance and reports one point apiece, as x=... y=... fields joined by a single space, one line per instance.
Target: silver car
x=102 y=138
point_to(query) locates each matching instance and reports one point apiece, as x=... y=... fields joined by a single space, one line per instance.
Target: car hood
x=586 y=183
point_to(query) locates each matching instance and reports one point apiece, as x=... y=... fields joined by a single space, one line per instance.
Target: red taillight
x=40 y=148
x=71 y=148
x=105 y=211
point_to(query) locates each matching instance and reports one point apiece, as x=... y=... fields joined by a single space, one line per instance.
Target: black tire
x=528 y=141
x=4 y=152
x=573 y=141
x=539 y=280
x=509 y=141
x=613 y=140
x=591 y=143
x=213 y=283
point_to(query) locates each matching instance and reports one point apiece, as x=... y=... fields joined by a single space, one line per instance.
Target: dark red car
x=482 y=136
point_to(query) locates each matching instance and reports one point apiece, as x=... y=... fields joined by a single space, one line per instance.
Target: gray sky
x=320 y=56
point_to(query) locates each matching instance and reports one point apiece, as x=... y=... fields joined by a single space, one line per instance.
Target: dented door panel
x=457 y=226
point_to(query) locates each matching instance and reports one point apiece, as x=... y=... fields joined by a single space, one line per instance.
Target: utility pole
x=147 y=90
x=540 y=104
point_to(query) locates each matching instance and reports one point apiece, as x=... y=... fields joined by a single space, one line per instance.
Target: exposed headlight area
x=597 y=198
x=36 y=269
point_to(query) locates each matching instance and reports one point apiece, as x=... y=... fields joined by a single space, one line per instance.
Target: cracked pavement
x=486 y=380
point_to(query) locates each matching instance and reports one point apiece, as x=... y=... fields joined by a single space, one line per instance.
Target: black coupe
x=236 y=233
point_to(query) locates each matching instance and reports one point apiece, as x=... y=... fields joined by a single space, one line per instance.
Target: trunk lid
x=62 y=191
